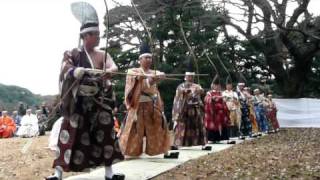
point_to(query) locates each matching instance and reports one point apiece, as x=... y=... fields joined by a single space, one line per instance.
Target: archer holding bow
x=87 y=138
x=145 y=119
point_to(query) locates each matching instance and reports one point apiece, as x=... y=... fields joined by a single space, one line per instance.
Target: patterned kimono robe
x=187 y=112
x=145 y=117
x=216 y=117
x=272 y=114
x=245 y=127
x=260 y=110
x=252 y=115
x=86 y=137
x=7 y=127
x=231 y=99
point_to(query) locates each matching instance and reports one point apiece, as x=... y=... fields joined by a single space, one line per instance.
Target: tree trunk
x=293 y=85
x=291 y=82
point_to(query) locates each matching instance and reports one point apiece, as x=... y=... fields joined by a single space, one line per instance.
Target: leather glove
x=78 y=72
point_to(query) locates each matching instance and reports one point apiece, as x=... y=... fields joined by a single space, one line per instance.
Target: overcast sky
x=34 y=35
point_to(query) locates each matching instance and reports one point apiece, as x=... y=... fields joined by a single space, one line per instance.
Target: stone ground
x=289 y=154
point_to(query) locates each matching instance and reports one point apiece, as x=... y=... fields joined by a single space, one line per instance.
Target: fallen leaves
x=289 y=154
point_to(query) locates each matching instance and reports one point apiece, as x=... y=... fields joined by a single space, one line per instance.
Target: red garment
x=7 y=127
x=272 y=116
x=216 y=111
x=116 y=124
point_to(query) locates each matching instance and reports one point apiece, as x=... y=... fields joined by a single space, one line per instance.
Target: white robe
x=54 y=135
x=29 y=126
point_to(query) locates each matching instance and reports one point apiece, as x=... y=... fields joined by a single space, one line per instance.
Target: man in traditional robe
x=87 y=138
x=29 y=125
x=216 y=119
x=145 y=121
x=17 y=119
x=272 y=113
x=232 y=101
x=252 y=114
x=188 y=113
x=260 y=110
x=7 y=125
x=245 y=125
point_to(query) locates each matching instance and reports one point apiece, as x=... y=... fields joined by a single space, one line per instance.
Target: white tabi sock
x=58 y=173
x=109 y=172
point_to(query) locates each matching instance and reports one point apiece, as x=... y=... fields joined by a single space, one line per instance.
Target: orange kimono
x=144 y=119
x=7 y=127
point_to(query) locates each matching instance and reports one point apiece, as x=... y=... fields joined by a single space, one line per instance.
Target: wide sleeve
x=208 y=108
x=68 y=64
x=110 y=64
x=132 y=89
x=68 y=84
x=177 y=104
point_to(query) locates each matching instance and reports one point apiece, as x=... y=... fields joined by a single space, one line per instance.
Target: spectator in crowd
x=42 y=121
x=44 y=109
x=17 y=119
x=29 y=125
x=21 y=109
x=7 y=125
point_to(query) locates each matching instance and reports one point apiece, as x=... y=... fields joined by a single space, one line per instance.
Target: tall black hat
x=145 y=50
x=228 y=80
x=216 y=80
x=190 y=68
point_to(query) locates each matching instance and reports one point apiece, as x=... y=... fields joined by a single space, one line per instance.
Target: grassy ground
x=289 y=154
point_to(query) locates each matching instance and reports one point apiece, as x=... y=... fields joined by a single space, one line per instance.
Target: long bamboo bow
x=148 y=33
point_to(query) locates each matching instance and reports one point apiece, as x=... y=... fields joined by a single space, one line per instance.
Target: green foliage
x=203 y=24
x=313 y=88
x=10 y=96
x=171 y=52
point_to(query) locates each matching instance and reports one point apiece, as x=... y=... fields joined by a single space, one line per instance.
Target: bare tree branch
x=297 y=12
x=250 y=16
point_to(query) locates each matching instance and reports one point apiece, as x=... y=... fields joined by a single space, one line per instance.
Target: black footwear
x=207 y=148
x=231 y=142
x=172 y=155
x=254 y=136
x=216 y=142
x=242 y=138
x=116 y=177
x=52 y=178
x=174 y=148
